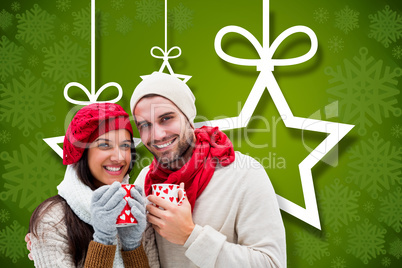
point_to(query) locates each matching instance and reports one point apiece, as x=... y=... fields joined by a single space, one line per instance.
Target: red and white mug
x=126 y=218
x=169 y=192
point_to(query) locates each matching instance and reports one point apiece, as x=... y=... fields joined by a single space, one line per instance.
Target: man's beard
x=176 y=158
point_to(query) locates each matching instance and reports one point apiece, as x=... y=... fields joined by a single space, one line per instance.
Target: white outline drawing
x=166 y=55
x=266 y=80
x=94 y=95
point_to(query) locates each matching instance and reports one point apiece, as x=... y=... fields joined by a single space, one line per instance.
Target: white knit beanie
x=170 y=87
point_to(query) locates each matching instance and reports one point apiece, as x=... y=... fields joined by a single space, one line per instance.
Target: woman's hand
x=29 y=245
x=107 y=204
x=131 y=236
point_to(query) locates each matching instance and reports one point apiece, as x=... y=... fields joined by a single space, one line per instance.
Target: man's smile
x=165 y=144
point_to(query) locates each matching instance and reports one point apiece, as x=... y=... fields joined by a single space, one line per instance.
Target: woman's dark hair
x=79 y=233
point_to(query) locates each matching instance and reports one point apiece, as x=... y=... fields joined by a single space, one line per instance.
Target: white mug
x=168 y=192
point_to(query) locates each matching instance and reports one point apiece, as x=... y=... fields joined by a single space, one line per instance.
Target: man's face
x=164 y=130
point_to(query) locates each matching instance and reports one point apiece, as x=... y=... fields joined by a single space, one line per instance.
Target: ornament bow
x=266 y=52
x=92 y=96
x=166 y=56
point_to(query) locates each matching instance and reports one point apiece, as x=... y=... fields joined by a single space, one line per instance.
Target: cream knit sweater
x=49 y=249
x=238 y=223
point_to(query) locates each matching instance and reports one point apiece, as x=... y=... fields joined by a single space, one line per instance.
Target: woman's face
x=109 y=157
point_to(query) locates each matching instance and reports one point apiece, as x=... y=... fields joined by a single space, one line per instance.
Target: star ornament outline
x=266 y=80
x=335 y=131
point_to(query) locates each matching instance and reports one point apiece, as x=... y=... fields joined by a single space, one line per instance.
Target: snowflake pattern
x=321 y=15
x=6 y=19
x=397 y=52
x=310 y=247
x=65 y=61
x=58 y=132
x=180 y=18
x=117 y=4
x=26 y=103
x=15 y=6
x=368 y=207
x=33 y=60
x=5 y=136
x=149 y=11
x=12 y=244
x=391 y=209
x=386 y=26
x=396 y=131
x=396 y=248
x=337 y=240
x=82 y=24
x=35 y=26
x=367 y=90
x=386 y=262
x=124 y=25
x=335 y=44
x=64 y=27
x=375 y=165
x=102 y=24
x=4 y=215
x=346 y=20
x=338 y=262
x=63 y=5
x=10 y=55
x=338 y=205
x=31 y=175
x=366 y=241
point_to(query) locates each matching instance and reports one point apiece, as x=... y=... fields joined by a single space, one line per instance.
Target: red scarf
x=212 y=147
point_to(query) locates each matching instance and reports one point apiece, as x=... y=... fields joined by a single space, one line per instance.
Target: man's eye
x=166 y=118
x=144 y=125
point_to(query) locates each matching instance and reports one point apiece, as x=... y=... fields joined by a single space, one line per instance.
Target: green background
x=46 y=44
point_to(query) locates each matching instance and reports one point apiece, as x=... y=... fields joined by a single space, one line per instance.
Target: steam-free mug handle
x=182 y=196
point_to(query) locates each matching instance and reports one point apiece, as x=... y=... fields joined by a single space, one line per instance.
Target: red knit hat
x=89 y=123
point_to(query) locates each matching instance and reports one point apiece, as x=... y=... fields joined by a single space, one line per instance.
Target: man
x=230 y=217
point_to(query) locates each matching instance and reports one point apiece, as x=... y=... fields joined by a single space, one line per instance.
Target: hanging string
x=166 y=54
x=92 y=95
x=165 y=25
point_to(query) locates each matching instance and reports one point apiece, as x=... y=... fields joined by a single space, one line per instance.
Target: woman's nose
x=117 y=155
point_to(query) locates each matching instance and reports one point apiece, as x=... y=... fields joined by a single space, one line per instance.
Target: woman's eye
x=126 y=146
x=103 y=145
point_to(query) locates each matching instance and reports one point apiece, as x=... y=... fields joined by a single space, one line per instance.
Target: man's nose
x=158 y=133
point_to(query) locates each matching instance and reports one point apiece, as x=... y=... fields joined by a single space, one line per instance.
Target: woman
x=77 y=227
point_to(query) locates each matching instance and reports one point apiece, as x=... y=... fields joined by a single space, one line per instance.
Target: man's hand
x=29 y=244
x=174 y=223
